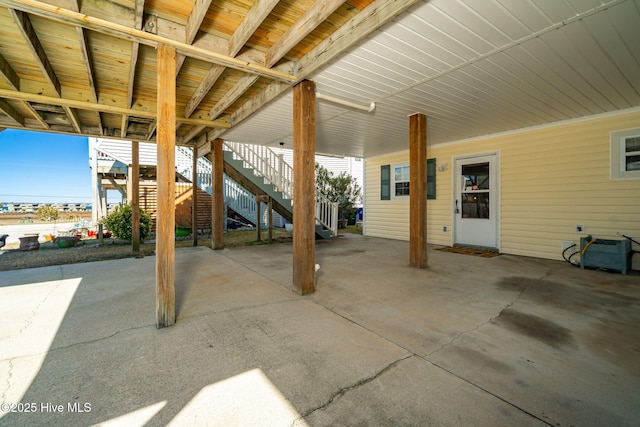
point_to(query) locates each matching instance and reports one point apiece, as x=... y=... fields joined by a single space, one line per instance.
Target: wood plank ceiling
x=472 y=66
x=89 y=67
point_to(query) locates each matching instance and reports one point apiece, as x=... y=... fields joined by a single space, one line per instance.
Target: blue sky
x=40 y=167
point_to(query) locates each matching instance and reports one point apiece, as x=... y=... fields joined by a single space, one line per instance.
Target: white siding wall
x=551 y=179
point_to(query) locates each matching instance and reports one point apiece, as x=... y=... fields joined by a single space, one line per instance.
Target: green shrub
x=47 y=213
x=119 y=222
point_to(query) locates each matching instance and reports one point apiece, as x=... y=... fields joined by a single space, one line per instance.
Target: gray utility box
x=607 y=254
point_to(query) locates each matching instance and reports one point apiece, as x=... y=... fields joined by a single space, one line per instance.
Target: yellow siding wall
x=551 y=179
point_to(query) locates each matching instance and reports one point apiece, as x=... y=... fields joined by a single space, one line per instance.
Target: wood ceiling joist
x=241 y=86
x=251 y=22
x=28 y=32
x=91 y=106
x=10 y=76
x=308 y=22
x=73 y=118
x=86 y=55
x=153 y=40
x=256 y=15
x=313 y=17
x=203 y=88
x=368 y=20
x=194 y=21
x=36 y=115
x=11 y=112
x=31 y=38
x=138 y=14
x=151 y=130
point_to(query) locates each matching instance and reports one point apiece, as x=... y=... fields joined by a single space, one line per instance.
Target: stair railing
x=240 y=200
x=279 y=173
x=327 y=214
x=266 y=163
x=184 y=166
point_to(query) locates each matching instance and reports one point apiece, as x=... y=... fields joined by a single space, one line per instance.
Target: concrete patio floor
x=469 y=341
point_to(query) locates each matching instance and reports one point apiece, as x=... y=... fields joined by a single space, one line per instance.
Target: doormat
x=469 y=251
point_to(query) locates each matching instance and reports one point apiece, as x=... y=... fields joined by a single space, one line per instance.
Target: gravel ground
x=88 y=250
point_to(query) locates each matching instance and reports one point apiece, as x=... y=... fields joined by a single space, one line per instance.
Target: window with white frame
x=625 y=154
x=401 y=180
x=395 y=180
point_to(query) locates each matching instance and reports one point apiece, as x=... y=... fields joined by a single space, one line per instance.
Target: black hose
x=570 y=256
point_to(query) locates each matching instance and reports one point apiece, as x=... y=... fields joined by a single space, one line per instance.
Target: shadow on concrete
x=506 y=340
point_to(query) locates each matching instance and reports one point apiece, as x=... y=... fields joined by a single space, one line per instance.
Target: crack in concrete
x=346 y=389
x=33 y=313
x=475 y=328
x=8 y=386
x=28 y=322
x=98 y=339
x=513 y=405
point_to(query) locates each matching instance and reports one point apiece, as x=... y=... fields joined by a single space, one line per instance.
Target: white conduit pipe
x=329 y=98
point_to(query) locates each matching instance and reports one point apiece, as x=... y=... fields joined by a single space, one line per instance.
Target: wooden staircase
x=183 y=203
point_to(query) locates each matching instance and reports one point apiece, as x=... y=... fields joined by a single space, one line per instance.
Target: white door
x=476 y=201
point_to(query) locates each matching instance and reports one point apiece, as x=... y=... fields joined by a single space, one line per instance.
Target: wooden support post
x=194 y=196
x=166 y=177
x=258 y=219
x=100 y=234
x=304 y=146
x=134 y=196
x=259 y=200
x=217 y=196
x=418 y=190
x=270 y=219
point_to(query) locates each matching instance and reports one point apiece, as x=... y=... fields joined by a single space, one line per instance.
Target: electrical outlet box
x=444 y=228
x=580 y=228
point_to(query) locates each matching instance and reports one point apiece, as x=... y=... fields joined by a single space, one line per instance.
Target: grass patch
x=350 y=229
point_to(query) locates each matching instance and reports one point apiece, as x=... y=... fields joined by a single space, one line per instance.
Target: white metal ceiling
x=474 y=67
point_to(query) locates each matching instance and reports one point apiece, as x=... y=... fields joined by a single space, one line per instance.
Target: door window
x=475 y=190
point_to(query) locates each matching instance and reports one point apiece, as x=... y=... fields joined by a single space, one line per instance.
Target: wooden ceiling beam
x=31 y=38
x=86 y=55
x=203 y=89
x=251 y=22
x=73 y=118
x=91 y=106
x=241 y=86
x=193 y=24
x=308 y=22
x=357 y=28
x=195 y=19
x=121 y=31
x=36 y=115
x=9 y=74
x=152 y=129
x=7 y=109
x=313 y=17
x=256 y=15
x=371 y=18
x=138 y=13
x=12 y=79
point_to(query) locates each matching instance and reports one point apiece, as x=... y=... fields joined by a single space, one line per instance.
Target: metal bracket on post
x=150 y=24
